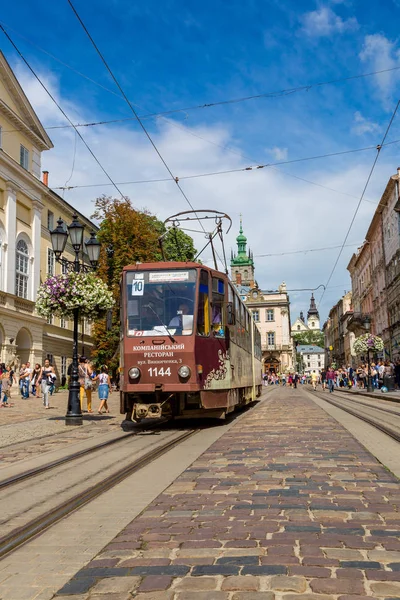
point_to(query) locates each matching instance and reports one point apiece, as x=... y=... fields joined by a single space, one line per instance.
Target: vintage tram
x=189 y=347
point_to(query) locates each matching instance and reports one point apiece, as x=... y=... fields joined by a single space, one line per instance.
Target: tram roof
x=172 y=265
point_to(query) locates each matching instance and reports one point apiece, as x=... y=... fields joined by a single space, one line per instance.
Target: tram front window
x=160 y=302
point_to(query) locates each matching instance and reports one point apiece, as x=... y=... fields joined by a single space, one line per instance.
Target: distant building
x=313 y=322
x=270 y=309
x=339 y=337
x=312 y=358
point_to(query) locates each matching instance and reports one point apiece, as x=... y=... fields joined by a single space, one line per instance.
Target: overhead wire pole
x=378 y=150
x=60 y=109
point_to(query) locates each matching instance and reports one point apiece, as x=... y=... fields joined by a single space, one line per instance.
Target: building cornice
x=35 y=128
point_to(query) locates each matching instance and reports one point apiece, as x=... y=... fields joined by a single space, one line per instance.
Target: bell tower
x=313 y=315
x=242 y=263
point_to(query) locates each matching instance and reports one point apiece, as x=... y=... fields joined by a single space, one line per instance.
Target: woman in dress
x=104 y=388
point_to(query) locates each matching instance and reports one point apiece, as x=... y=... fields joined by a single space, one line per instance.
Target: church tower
x=313 y=315
x=242 y=264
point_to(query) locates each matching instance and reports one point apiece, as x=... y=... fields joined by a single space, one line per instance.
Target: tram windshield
x=160 y=302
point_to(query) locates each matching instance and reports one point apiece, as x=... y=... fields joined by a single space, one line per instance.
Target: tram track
x=389 y=431
x=34 y=527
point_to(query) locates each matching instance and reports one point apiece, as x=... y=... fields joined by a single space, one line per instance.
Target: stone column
x=36 y=238
x=11 y=234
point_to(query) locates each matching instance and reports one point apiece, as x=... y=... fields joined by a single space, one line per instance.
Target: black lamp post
x=59 y=238
x=367 y=327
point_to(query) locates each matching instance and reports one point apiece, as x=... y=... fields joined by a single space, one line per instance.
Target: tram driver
x=183 y=320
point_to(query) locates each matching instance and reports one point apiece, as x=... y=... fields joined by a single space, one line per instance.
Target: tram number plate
x=138 y=287
x=159 y=372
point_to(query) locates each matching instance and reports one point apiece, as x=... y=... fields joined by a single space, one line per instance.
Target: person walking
x=4 y=387
x=295 y=380
x=104 y=389
x=330 y=378
x=35 y=387
x=397 y=373
x=46 y=381
x=86 y=383
x=314 y=379
x=323 y=380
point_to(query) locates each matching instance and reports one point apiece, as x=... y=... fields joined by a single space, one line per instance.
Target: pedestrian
x=46 y=381
x=265 y=378
x=290 y=380
x=295 y=380
x=397 y=373
x=104 y=388
x=283 y=379
x=85 y=382
x=34 y=380
x=323 y=379
x=330 y=378
x=314 y=379
x=4 y=388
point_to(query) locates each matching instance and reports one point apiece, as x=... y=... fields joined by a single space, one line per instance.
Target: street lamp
x=59 y=237
x=367 y=327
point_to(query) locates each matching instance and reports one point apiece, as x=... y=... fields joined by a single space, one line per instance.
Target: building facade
x=375 y=273
x=270 y=309
x=311 y=359
x=28 y=211
x=339 y=339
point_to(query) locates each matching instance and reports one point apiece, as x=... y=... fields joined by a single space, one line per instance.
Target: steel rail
x=23 y=534
x=387 y=430
x=346 y=399
x=9 y=481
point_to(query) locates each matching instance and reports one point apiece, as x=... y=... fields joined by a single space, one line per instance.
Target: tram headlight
x=134 y=373
x=184 y=371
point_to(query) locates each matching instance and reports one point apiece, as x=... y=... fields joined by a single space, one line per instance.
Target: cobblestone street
x=285 y=504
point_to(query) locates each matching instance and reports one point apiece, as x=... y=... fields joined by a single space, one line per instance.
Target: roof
x=310 y=349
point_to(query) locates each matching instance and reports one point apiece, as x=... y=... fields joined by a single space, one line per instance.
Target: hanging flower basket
x=368 y=342
x=60 y=295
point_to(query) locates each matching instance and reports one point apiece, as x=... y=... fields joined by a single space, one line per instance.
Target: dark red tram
x=189 y=347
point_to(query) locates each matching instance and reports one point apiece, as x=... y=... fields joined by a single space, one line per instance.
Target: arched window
x=21 y=269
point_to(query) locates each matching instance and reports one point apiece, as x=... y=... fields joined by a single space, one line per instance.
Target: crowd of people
x=40 y=382
x=381 y=373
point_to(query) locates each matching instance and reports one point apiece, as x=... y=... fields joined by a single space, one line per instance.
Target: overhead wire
x=277 y=93
x=378 y=151
x=129 y=103
x=305 y=251
x=173 y=123
x=60 y=108
x=241 y=169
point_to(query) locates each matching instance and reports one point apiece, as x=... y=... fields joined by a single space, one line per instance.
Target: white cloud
x=277 y=209
x=279 y=153
x=362 y=125
x=324 y=22
x=381 y=53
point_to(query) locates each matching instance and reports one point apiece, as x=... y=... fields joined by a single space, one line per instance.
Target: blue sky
x=178 y=54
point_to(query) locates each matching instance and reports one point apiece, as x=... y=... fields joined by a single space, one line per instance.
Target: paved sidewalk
x=378 y=394
x=287 y=504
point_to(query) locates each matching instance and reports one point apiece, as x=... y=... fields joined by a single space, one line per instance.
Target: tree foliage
x=128 y=236
x=314 y=338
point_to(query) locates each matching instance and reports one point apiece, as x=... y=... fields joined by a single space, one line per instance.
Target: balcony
x=356 y=321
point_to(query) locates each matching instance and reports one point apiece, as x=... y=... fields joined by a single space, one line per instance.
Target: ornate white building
x=313 y=322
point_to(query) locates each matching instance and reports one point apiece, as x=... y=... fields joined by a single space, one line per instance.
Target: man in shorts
x=314 y=380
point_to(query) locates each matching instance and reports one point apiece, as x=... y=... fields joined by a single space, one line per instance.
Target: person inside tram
x=178 y=320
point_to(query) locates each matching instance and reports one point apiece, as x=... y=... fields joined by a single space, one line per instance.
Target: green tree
x=128 y=236
x=315 y=338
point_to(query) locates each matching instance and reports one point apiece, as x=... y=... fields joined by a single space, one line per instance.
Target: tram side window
x=203 y=315
x=218 y=295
